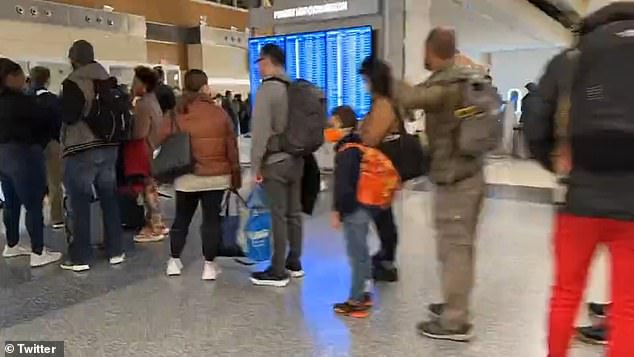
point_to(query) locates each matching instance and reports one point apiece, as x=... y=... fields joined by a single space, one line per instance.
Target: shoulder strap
x=277 y=79
x=347 y=146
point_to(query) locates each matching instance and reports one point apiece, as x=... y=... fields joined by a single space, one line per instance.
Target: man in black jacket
x=40 y=77
x=89 y=162
x=584 y=131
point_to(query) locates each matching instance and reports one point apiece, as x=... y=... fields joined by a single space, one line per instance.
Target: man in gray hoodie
x=280 y=172
x=89 y=162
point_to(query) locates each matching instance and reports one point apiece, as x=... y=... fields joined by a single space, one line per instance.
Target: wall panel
x=176 y=12
x=168 y=53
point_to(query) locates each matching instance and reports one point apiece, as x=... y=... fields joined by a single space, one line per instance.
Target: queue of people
x=581 y=136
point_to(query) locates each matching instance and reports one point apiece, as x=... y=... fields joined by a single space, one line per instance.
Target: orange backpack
x=378 y=179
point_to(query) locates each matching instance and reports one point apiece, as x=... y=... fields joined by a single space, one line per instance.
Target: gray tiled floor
x=134 y=310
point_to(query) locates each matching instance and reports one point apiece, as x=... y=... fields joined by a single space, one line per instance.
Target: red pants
x=576 y=239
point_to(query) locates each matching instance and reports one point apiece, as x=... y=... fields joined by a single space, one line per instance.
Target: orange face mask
x=333 y=135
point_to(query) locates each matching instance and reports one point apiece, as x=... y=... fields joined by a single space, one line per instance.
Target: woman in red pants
x=596 y=142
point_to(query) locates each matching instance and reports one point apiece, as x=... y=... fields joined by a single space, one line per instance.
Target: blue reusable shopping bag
x=258 y=227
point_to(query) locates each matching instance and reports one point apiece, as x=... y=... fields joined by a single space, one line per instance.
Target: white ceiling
x=493 y=25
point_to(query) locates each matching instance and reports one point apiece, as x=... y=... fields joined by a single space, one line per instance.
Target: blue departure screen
x=329 y=59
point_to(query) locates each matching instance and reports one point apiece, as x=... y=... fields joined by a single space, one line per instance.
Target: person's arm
x=539 y=128
x=142 y=120
x=233 y=155
x=346 y=178
x=73 y=102
x=262 y=127
x=419 y=97
x=378 y=123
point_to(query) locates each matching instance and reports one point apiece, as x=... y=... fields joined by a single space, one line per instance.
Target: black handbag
x=175 y=156
x=406 y=153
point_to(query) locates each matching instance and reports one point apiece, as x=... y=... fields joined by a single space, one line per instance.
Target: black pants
x=210 y=230
x=388 y=234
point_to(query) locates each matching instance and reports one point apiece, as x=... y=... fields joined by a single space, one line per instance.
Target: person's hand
x=258 y=177
x=335 y=221
x=562 y=160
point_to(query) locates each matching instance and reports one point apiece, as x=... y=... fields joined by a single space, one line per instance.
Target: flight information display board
x=329 y=59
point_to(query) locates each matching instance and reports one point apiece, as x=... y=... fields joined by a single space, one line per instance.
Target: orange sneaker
x=353 y=309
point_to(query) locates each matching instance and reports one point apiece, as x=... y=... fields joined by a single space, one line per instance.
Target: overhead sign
x=311 y=10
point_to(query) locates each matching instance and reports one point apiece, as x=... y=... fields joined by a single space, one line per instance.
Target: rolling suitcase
x=96 y=223
x=132 y=211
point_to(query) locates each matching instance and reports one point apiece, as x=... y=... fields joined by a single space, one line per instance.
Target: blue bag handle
x=257 y=198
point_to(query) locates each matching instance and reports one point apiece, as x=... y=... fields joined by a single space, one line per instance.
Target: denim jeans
x=355 y=229
x=23 y=177
x=83 y=171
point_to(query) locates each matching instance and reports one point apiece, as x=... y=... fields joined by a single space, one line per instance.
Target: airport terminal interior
x=134 y=309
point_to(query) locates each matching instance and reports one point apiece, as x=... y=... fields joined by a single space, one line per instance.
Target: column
x=417 y=26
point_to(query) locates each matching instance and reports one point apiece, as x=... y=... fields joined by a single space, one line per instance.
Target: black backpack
x=110 y=116
x=601 y=125
x=307 y=118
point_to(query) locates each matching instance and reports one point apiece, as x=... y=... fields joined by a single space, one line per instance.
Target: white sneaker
x=77 y=268
x=118 y=259
x=210 y=271
x=47 y=257
x=174 y=267
x=16 y=251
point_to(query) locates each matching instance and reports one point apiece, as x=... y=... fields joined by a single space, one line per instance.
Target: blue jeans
x=355 y=229
x=83 y=171
x=23 y=177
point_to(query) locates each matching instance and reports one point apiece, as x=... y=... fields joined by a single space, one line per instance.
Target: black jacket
x=347 y=172
x=590 y=193
x=51 y=104
x=22 y=120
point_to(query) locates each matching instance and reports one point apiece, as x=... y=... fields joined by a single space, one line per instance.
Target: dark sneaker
x=434 y=330
x=367 y=300
x=436 y=310
x=295 y=270
x=599 y=311
x=267 y=278
x=381 y=273
x=353 y=309
x=77 y=268
x=592 y=335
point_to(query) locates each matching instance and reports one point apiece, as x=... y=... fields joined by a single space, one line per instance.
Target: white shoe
x=174 y=267
x=210 y=271
x=47 y=257
x=16 y=251
x=77 y=268
x=118 y=259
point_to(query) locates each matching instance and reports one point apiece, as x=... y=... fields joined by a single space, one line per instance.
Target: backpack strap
x=277 y=79
x=347 y=146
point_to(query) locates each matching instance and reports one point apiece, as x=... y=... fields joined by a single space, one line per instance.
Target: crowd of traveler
x=567 y=133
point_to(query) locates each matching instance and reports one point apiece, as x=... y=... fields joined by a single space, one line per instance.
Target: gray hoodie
x=77 y=137
x=270 y=117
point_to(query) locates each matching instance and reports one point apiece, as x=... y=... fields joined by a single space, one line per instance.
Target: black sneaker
x=433 y=330
x=599 y=311
x=353 y=309
x=435 y=310
x=77 y=268
x=295 y=270
x=386 y=274
x=267 y=278
x=592 y=335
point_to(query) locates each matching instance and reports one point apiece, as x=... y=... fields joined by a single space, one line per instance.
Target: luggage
x=257 y=229
x=307 y=119
x=132 y=211
x=232 y=205
x=96 y=222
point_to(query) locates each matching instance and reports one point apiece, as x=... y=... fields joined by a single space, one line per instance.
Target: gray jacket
x=270 y=117
x=78 y=93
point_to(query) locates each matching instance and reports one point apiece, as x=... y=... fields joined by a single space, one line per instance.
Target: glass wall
x=243 y=4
